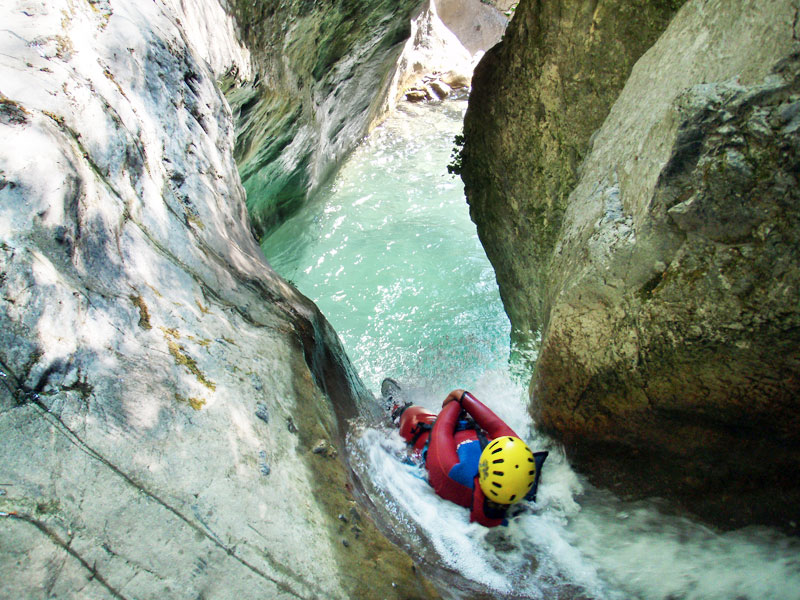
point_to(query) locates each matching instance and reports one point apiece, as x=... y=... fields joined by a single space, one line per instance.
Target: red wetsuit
x=452 y=457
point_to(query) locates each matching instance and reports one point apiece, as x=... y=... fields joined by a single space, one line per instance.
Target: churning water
x=390 y=255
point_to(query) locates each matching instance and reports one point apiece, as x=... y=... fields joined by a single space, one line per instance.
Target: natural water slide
x=390 y=255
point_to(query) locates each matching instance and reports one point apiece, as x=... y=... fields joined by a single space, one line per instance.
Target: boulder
x=670 y=354
x=456 y=80
x=440 y=88
x=537 y=98
x=415 y=95
x=477 y=24
x=162 y=390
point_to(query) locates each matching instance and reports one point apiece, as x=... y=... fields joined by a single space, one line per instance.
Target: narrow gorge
x=182 y=183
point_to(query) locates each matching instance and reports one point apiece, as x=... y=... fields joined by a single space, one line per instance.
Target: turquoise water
x=389 y=254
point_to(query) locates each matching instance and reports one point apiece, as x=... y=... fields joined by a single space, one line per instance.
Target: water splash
x=576 y=541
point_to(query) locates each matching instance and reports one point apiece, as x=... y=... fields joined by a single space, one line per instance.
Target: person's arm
x=442 y=443
x=443 y=462
x=493 y=425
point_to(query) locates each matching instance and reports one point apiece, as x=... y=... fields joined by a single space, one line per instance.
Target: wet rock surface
x=433 y=87
x=659 y=260
x=321 y=75
x=161 y=388
x=537 y=98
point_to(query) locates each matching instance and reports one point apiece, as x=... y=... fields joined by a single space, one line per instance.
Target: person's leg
x=390 y=389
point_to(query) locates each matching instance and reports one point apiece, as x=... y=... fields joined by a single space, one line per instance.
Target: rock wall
x=478 y=24
x=670 y=362
x=322 y=72
x=171 y=411
x=433 y=53
x=537 y=98
x=657 y=255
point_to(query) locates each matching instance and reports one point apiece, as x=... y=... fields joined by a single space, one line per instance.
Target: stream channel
x=388 y=252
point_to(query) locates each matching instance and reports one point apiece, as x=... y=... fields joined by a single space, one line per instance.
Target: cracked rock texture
x=667 y=285
x=322 y=71
x=162 y=390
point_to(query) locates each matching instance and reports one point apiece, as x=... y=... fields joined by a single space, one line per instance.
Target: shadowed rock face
x=322 y=71
x=537 y=98
x=171 y=411
x=673 y=301
x=667 y=284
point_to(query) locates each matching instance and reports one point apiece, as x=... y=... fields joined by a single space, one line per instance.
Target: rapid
x=388 y=252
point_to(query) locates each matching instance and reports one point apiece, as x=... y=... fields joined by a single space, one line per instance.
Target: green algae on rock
x=322 y=73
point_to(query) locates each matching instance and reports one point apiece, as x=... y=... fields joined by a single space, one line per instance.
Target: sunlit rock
x=441 y=89
x=478 y=24
x=432 y=48
x=670 y=359
x=415 y=95
x=456 y=80
x=436 y=52
x=162 y=390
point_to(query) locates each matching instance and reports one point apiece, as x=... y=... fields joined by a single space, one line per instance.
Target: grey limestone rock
x=479 y=25
x=537 y=98
x=136 y=313
x=670 y=356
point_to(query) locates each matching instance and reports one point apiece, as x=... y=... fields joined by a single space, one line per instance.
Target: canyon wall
x=172 y=412
x=321 y=73
x=658 y=254
x=537 y=98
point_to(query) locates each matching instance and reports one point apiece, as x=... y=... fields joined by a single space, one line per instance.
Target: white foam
x=575 y=539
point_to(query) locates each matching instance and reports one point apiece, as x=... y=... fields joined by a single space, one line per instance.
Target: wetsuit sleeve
x=443 y=444
x=485 y=418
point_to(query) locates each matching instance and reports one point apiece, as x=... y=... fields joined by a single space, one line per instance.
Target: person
x=472 y=457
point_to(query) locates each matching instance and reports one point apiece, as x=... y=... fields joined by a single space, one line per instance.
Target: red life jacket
x=478 y=512
x=416 y=427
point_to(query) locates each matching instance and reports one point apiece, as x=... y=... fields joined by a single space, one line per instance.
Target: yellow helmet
x=506 y=470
